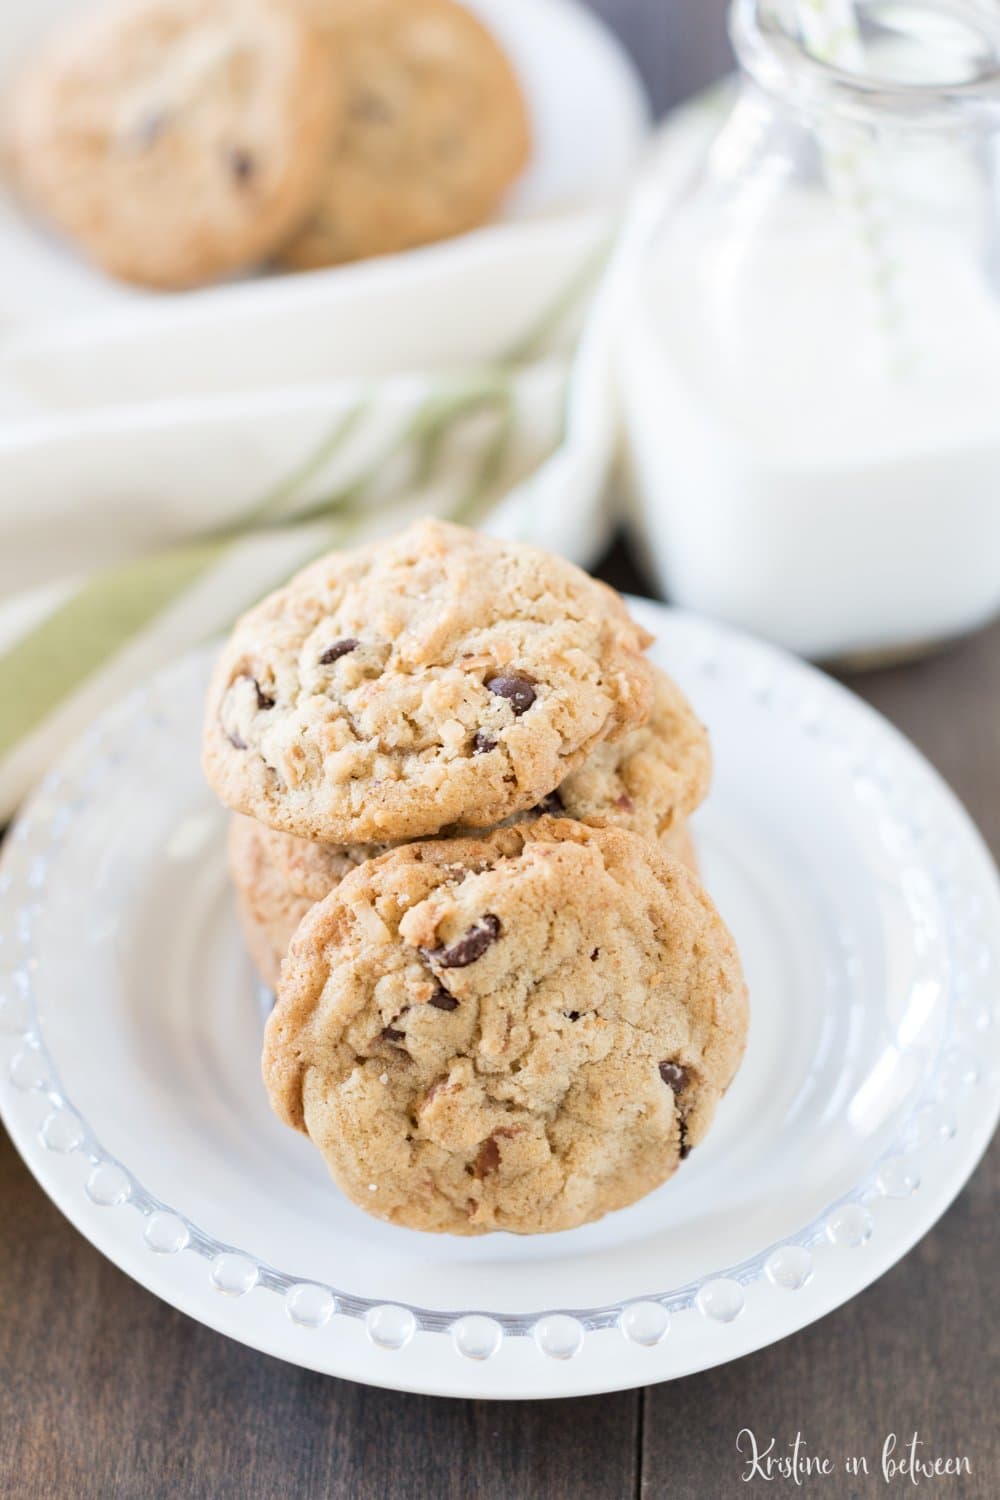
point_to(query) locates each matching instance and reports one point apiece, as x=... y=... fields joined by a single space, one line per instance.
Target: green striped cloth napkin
x=137 y=530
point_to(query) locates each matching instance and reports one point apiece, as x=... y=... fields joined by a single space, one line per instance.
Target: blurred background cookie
x=435 y=130
x=177 y=140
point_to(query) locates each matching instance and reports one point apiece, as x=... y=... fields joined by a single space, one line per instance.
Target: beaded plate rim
x=771 y=678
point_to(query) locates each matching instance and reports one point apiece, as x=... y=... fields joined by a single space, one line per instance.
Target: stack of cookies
x=174 y=141
x=460 y=848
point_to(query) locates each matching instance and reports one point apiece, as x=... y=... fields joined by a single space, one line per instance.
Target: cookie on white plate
x=519 y=1032
x=648 y=782
x=435 y=678
x=271 y=902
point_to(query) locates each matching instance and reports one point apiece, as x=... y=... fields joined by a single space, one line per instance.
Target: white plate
x=589 y=118
x=868 y=914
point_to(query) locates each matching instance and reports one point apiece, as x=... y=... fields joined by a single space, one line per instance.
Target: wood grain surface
x=106 y=1392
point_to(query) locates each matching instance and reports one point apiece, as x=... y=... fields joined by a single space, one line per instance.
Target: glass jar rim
x=782 y=65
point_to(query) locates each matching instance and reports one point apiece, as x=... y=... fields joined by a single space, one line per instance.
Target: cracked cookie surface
x=273 y=895
x=441 y=677
x=521 y=1032
x=649 y=782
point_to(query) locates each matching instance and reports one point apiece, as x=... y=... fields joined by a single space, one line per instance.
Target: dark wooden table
x=106 y=1393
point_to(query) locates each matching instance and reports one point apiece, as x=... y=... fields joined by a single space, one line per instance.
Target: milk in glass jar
x=811 y=360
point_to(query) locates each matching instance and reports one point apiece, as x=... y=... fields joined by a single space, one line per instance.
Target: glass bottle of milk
x=811 y=361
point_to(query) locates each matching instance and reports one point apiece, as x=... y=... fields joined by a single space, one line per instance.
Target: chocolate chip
x=264 y=701
x=472 y=945
x=337 y=650
x=241 y=164
x=443 y=1001
x=572 y=1015
x=595 y=955
x=371 y=107
x=390 y=1034
x=677 y=1078
x=517 y=690
x=553 y=803
x=625 y=803
x=674 y=1076
x=487 y=1158
x=483 y=742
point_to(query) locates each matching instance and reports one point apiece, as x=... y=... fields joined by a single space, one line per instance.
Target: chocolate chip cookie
x=649 y=782
x=177 y=140
x=278 y=877
x=269 y=909
x=440 y=677
x=519 y=1032
x=435 y=130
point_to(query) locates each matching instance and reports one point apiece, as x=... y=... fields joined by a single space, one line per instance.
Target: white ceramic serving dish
x=868 y=915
